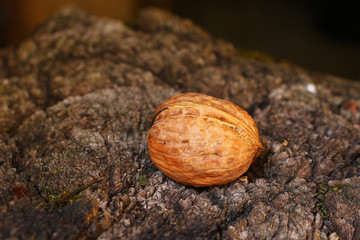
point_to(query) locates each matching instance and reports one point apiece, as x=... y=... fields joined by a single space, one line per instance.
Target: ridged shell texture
x=200 y=140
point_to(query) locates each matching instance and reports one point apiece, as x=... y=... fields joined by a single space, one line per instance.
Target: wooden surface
x=76 y=102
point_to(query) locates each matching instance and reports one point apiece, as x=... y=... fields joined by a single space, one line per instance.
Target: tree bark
x=77 y=98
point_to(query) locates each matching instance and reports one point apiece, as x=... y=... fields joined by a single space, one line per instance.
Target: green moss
x=142 y=181
x=58 y=201
x=323 y=190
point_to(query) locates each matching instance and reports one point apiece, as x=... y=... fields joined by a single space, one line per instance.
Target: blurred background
x=318 y=35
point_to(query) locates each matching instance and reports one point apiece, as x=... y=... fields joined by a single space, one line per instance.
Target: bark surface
x=76 y=102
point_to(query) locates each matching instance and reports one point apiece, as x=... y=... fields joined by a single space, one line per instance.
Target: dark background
x=318 y=35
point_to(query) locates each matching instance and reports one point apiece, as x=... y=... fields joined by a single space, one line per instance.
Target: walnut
x=200 y=140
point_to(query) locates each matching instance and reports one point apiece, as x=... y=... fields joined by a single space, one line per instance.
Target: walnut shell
x=200 y=140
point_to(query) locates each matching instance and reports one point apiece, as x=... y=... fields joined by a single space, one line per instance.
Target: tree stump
x=76 y=102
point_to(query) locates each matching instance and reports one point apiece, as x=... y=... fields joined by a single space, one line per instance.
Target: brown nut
x=200 y=140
